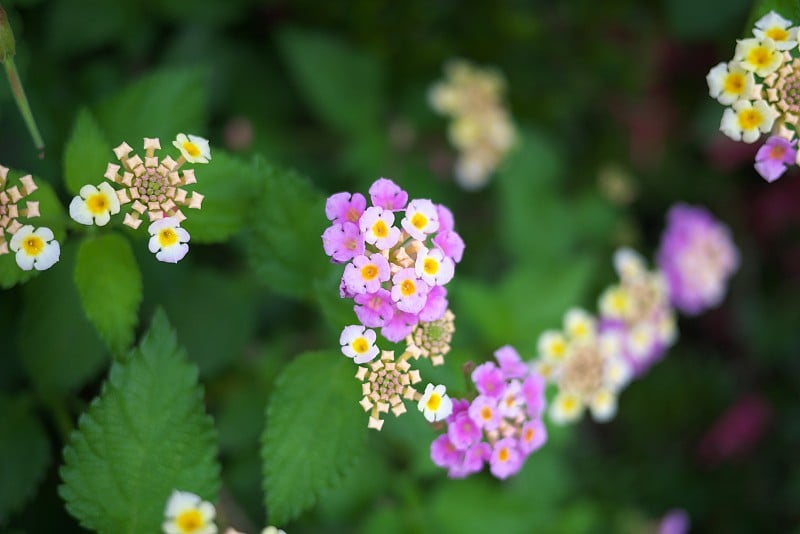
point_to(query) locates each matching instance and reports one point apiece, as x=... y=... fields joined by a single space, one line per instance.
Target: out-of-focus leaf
x=331 y=74
x=315 y=431
x=86 y=154
x=161 y=105
x=110 y=286
x=59 y=348
x=703 y=20
x=24 y=455
x=144 y=436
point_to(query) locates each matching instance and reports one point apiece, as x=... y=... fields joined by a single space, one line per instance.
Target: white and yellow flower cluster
x=586 y=365
x=187 y=513
x=761 y=84
x=481 y=128
x=151 y=186
x=34 y=248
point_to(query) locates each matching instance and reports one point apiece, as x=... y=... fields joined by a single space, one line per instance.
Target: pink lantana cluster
x=501 y=426
x=398 y=256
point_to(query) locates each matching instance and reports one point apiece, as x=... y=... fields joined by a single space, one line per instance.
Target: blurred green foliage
x=303 y=99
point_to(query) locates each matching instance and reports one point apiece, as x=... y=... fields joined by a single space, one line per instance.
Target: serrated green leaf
x=315 y=430
x=284 y=245
x=58 y=347
x=228 y=185
x=160 y=105
x=110 y=287
x=330 y=73
x=86 y=154
x=24 y=455
x=145 y=435
x=51 y=215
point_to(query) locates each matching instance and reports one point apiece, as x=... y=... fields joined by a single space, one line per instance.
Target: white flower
x=421 y=219
x=36 y=249
x=603 y=405
x=566 y=408
x=358 y=343
x=746 y=121
x=435 y=405
x=777 y=28
x=193 y=149
x=615 y=302
x=759 y=56
x=168 y=241
x=552 y=346
x=434 y=267
x=629 y=264
x=94 y=205
x=272 y=530
x=579 y=324
x=186 y=513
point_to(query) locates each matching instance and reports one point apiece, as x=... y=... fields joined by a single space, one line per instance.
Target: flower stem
x=22 y=103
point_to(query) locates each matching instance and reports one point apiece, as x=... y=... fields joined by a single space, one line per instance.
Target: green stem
x=22 y=103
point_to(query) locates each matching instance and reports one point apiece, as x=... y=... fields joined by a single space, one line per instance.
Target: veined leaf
x=145 y=435
x=86 y=154
x=315 y=430
x=110 y=286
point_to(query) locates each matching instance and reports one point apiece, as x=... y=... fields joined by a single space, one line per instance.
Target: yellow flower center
x=369 y=271
x=528 y=437
x=97 y=203
x=619 y=300
x=558 y=348
x=503 y=454
x=777 y=34
x=380 y=230
x=433 y=402
x=33 y=245
x=430 y=266
x=408 y=287
x=360 y=345
x=189 y=521
x=750 y=119
x=734 y=83
x=760 y=56
x=419 y=221
x=192 y=149
x=569 y=404
x=510 y=401
x=486 y=413
x=167 y=237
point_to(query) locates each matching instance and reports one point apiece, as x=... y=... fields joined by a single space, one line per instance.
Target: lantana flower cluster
x=153 y=187
x=481 y=128
x=761 y=87
x=500 y=426
x=398 y=256
x=34 y=248
x=187 y=513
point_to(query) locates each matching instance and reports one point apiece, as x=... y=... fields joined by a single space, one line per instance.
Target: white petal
x=24 y=261
x=45 y=233
x=173 y=254
x=102 y=219
x=87 y=190
x=79 y=212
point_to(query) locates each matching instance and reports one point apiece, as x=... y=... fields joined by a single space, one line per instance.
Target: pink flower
x=374 y=309
x=443 y=453
x=421 y=219
x=510 y=404
x=534 y=435
x=450 y=243
x=408 y=291
x=463 y=432
x=510 y=362
x=483 y=411
x=365 y=275
x=446 y=221
x=435 y=305
x=489 y=380
x=377 y=226
x=773 y=157
x=344 y=207
x=387 y=195
x=533 y=393
x=506 y=459
x=434 y=267
x=475 y=457
x=342 y=242
x=399 y=326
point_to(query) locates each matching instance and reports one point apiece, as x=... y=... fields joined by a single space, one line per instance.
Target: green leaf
x=160 y=105
x=227 y=184
x=59 y=348
x=284 y=244
x=145 y=435
x=341 y=83
x=24 y=455
x=86 y=154
x=315 y=431
x=52 y=216
x=110 y=286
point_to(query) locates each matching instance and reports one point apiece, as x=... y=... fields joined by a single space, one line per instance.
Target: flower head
x=432 y=339
x=421 y=220
x=345 y=208
x=168 y=240
x=10 y=209
x=186 y=513
x=94 y=205
x=697 y=257
x=358 y=343
x=385 y=383
x=506 y=459
x=774 y=156
x=408 y=291
x=193 y=149
x=746 y=121
x=435 y=405
x=778 y=29
x=729 y=82
x=35 y=248
x=434 y=267
x=760 y=56
x=377 y=225
x=365 y=275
